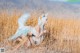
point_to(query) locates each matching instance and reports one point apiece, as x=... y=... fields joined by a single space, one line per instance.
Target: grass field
x=63 y=34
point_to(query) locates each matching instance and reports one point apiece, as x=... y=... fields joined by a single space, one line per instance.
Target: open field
x=63 y=34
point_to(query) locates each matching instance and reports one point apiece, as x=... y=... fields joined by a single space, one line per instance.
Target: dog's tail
x=21 y=29
x=22 y=20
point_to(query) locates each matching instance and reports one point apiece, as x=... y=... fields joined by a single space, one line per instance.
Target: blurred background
x=58 y=8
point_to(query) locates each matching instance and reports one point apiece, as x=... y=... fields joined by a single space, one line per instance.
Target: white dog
x=36 y=32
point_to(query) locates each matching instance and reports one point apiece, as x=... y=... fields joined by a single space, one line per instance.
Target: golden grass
x=63 y=34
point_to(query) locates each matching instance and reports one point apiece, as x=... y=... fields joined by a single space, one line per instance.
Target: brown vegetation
x=63 y=34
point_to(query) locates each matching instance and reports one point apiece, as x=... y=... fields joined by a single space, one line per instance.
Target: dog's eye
x=33 y=35
x=44 y=16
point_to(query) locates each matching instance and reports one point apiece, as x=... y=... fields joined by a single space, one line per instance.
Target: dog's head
x=42 y=21
x=40 y=25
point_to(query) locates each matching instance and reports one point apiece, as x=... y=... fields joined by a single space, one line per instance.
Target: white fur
x=24 y=30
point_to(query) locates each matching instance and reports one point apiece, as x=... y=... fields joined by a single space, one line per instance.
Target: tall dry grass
x=63 y=34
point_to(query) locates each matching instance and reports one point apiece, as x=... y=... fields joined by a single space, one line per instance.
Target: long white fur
x=22 y=20
x=22 y=29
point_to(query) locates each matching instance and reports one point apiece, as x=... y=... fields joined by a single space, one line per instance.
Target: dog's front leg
x=42 y=32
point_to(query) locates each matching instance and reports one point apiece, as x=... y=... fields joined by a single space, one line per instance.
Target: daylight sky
x=67 y=0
